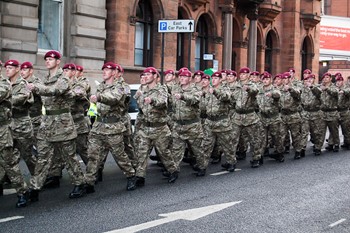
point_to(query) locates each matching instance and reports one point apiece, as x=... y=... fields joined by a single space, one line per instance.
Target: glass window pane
x=140 y=29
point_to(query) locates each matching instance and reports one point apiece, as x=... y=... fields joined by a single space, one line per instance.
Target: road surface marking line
x=223 y=172
x=10 y=218
x=9 y=191
x=337 y=222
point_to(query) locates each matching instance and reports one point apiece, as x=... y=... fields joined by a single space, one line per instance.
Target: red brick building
x=287 y=34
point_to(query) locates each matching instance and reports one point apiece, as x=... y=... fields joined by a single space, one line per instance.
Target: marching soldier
x=9 y=162
x=107 y=132
x=56 y=136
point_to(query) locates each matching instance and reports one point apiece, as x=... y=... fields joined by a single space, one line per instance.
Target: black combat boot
x=254 y=163
x=241 y=155
x=140 y=181
x=1 y=190
x=173 y=177
x=336 y=148
x=78 y=191
x=329 y=147
x=166 y=173
x=89 y=188
x=286 y=149
x=131 y=183
x=261 y=160
x=100 y=175
x=52 y=182
x=302 y=153
x=33 y=195
x=266 y=152
x=231 y=167
x=317 y=152
x=225 y=165
x=216 y=160
x=22 y=200
x=201 y=172
x=297 y=155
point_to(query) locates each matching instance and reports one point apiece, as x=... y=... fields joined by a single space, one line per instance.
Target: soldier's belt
x=19 y=113
x=268 y=115
x=245 y=111
x=329 y=110
x=187 y=122
x=343 y=109
x=217 y=118
x=111 y=119
x=57 y=111
x=154 y=124
x=288 y=112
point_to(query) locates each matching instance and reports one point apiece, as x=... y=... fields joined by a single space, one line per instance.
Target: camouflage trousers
x=224 y=141
x=179 y=147
x=158 y=137
x=314 y=128
x=254 y=135
x=47 y=153
x=273 y=132
x=99 y=145
x=333 y=127
x=344 y=122
x=24 y=147
x=9 y=163
x=293 y=124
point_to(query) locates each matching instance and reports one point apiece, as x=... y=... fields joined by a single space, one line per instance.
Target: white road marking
x=9 y=191
x=223 y=172
x=337 y=222
x=10 y=218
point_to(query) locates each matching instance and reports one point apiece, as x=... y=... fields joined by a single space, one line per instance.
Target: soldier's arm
x=294 y=92
x=5 y=91
x=23 y=96
x=191 y=98
x=347 y=92
x=161 y=100
x=332 y=91
x=115 y=96
x=252 y=91
x=61 y=87
x=222 y=94
x=276 y=94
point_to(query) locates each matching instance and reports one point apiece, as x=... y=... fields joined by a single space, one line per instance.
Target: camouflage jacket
x=6 y=139
x=57 y=97
x=290 y=100
x=343 y=98
x=311 y=102
x=158 y=109
x=36 y=108
x=329 y=103
x=111 y=99
x=269 y=105
x=245 y=104
x=22 y=99
x=80 y=92
x=217 y=107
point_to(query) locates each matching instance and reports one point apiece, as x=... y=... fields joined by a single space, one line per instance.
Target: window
x=50 y=36
x=268 y=53
x=201 y=44
x=143 y=34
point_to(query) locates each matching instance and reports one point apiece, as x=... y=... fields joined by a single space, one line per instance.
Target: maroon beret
x=256 y=73
x=205 y=76
x=53 y=54
x=80 y=68
x=286 y=75
x=109 y=65
x=169 y=72
x=11 y=63
x=326 y=74
x=216 y=74
x=150 y=70
x=337 y=74
x=244 y=70
x=26 y=65
x=119 y=67
x=307 y=71
x=339 y=78
x=265 y=75
x=291 y=70
x=278 y=76
x=198 y=72
x=186 y=73
x=69 y=66
x=223 y=71
x=231 y=72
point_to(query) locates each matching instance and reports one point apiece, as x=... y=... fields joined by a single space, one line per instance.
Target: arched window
x=143 y=34
x=201 y=44
x=306 y=55
x=268 y=53
x=180 y=56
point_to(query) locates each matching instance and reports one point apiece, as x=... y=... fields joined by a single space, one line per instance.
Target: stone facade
x=287 y=34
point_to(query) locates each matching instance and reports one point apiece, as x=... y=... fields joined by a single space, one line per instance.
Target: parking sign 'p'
x=163 y=26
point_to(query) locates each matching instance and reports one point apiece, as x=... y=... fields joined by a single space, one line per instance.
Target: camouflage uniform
x=56 y=136
x=290 y=112
x=329 y=103
x=270 y=117
x=344 y=114
x=8 y=161
x=246 y=118
x=187 y=128
x=154 y=131
x=217 y=126
x=21 y=125
x=312 y=117
x=107 y=132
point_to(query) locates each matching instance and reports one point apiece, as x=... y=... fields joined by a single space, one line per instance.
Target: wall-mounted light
x=324 y=64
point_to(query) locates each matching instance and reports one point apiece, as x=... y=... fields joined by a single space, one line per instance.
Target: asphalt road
x=307 y=195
